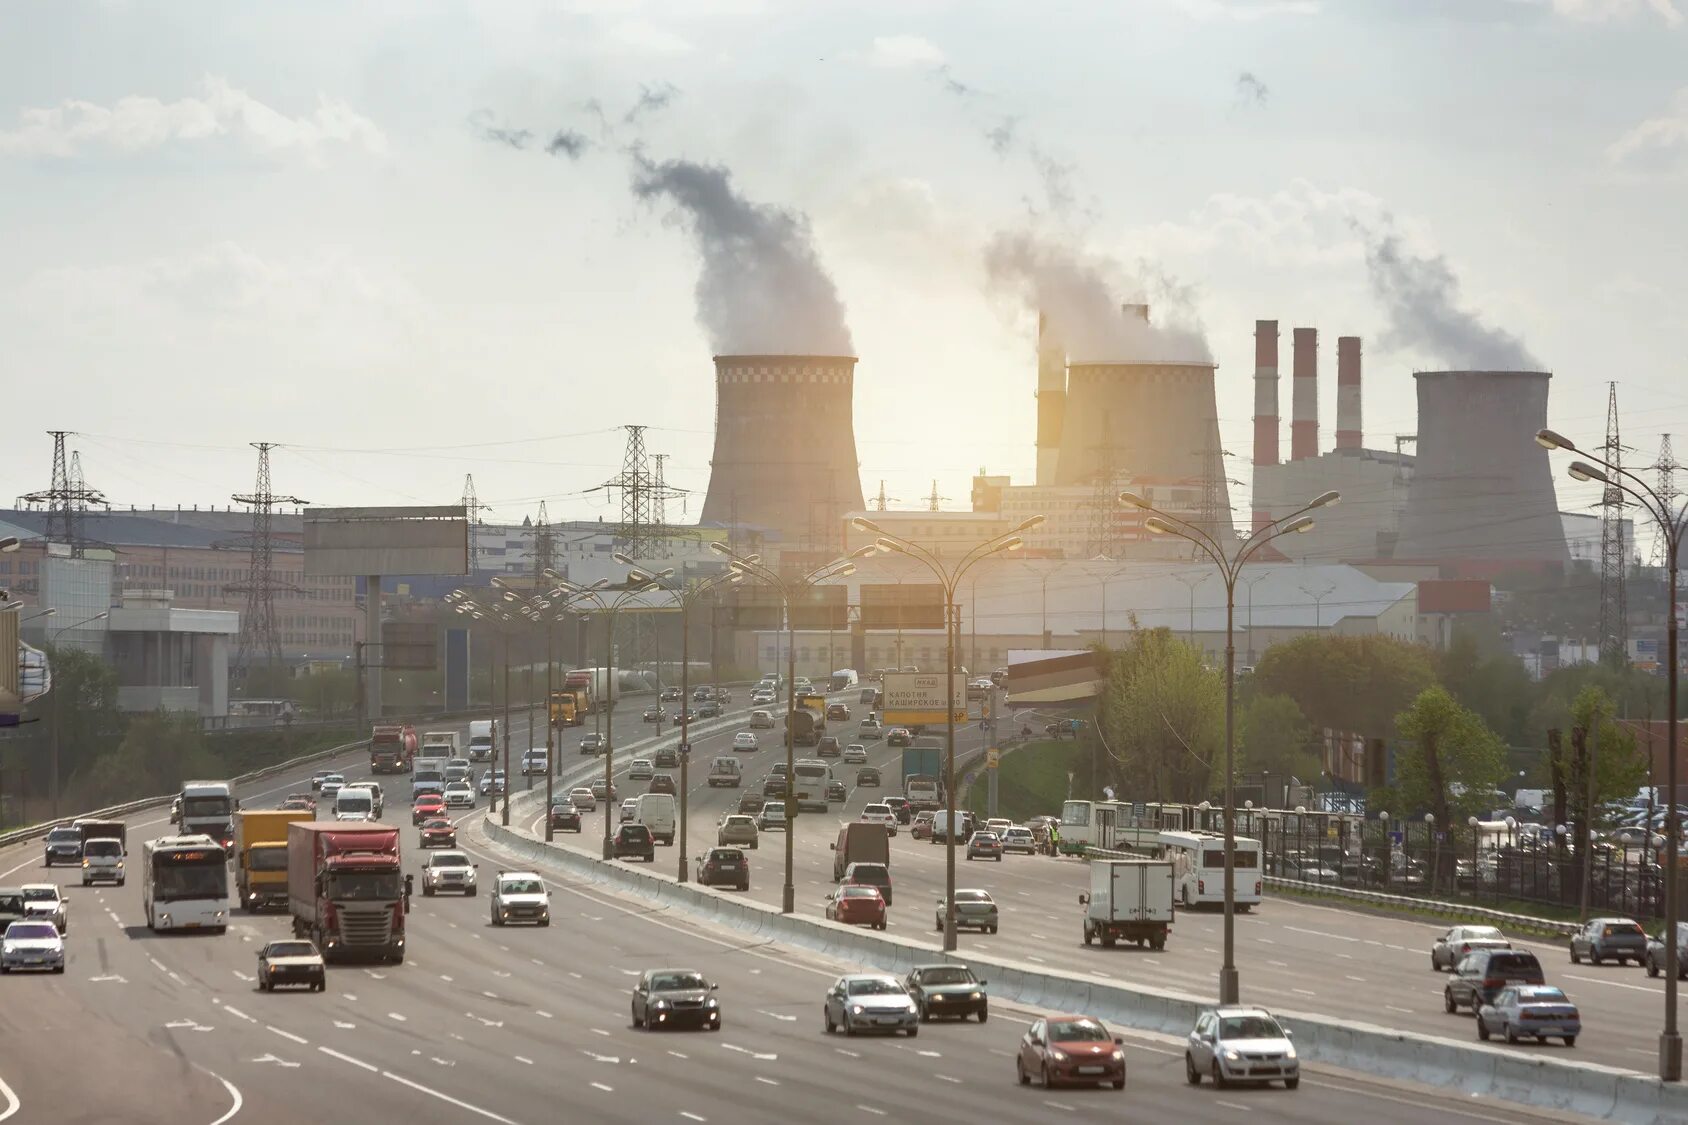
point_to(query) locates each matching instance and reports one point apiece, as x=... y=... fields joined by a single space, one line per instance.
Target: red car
x=439 y=833
x=426 y=808
x=299 y=802
x=1070 y=1050
x=856 y=904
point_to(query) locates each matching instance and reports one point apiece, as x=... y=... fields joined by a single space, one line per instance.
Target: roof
x=139 y=529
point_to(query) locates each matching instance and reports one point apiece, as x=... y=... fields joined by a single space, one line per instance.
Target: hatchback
x=1446 y=951
x=633 y=841
x=869 y=776
x=1240 y=1045
x=856 y=905
x=984 y=845
x=662 y=783
x=855 y=754
x=1070 y=1050
x=746 y=740
x=1609 y=939
x=640 y=769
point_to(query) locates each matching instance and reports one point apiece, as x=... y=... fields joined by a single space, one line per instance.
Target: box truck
x=260 y=856
x=860 y=843
x=1129 y=900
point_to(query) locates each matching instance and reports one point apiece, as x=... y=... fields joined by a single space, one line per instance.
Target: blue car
x=1530 y=1011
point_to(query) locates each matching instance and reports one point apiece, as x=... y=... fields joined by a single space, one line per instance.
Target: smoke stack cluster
x=1304 y=419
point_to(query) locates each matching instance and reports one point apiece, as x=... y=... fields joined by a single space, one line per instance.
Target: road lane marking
x=343 y=1025
x=692 y=1116
x=766 y=1081
x=1279 y=964
x=852 y=1054
x=870 y=1109
x=157 y=964
x=395 y=1016
x=445 y=978
x=332 y=1053
x=13 y=1104
x=234 y=1092
x=1059 y=1105
x=268 y=1058
x=1303 y=992
x=678 y=1055
x=947 y=1078
x=233 y=1011
x=601 y=1086
x=524 y=1059
x=1613 y=983
x=1231 y=1105
x=444 y=1097
x=1393 y=1008
x=287 y=1034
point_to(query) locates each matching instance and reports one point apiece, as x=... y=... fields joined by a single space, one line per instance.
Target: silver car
x=870 y=1002
x=42 y=902
x=1237 y=1044
x=32 y=945
x=974 y=910
x=448 y=871
x=1447 y=950
x=1530 y=1010
x=737 y=828
x=1609 y=939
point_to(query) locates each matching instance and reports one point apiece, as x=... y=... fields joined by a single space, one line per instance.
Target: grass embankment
x=1033 y=780
x=1430 y=911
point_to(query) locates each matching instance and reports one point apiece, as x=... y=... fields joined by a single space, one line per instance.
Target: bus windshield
x=184 y=875
x=1075 y=814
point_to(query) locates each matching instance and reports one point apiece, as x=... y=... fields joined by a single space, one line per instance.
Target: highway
x=531 y=1025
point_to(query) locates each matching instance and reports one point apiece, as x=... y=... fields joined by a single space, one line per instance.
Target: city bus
x=1092 y=824
x=1198 y=864
x=809 y=781
x=186 y=884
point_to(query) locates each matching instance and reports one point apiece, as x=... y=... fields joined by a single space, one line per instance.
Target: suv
x=837 y=713
x=536 y=762
x=102 y=858
x=728 y=866
x=1616 y=939
x=737 y=828
x=633 y=841
x=640 y=769
x=520 y=896
x=829 y=747
x=869 y=730
x=448 y=871
x=1240 y=1045
x=666 y=758
x=1480 y=975
x=752 y=803
x=772 y=816
x=42 y=902
x=663 y=783
x=761 y=720
x=62 y=845
x=870 y=875
x=592 y=743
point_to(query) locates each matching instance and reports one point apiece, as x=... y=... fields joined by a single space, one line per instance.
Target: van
x=354 y=803
x=379 y=797
x=102 y=858
x=481 y=733
x=725 y=772
x=860 y=843
x=967 y=824
x=656 y=812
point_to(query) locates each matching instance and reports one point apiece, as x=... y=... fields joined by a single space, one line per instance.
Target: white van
x=656 y=812
x=481 y=733
x=354 y=803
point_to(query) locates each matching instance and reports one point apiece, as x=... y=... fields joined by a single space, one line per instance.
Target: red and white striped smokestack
x=1348 y=392
x=1304 y=416
x=1265 y=392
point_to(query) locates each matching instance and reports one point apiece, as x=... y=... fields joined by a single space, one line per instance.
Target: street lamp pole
x=53 y=779
x=1230 y=568
x=1671 y=519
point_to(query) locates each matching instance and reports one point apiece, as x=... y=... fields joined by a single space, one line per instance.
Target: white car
x=42 y=902
x=536 y=762
x=331 y=785
x=762 y=720
x=102 y=858
x=855 y=754
x=746 y=740
x=1019 y=838
x=32 y=945
x=583 y=799
x=760 y=696
x=640 y=769
x=880 y=814
x=999 y=825
x=459 y=795
x=448 y=871
x=520 y=896
x=629 y=808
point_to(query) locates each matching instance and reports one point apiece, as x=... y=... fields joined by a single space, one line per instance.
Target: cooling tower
x=1482 y=488
x=785 y=445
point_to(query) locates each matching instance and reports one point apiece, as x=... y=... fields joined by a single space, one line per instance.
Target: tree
x=1163 y=718
x=1450 y=762
x=1355 y=684
x=1620 y=768
x=159 y=751
x=83 y=702
x=1482 y=675
x=1275 y=737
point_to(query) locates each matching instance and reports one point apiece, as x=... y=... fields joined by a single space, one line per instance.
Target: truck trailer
x=1129 y=900
x=389 y=749
x=260 y=856
x=345 y=889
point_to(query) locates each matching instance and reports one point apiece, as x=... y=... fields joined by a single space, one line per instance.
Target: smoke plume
x=762 y=289
x=1079 y=294
x=651 y=99
x=568 y=143
x=1251 y=91
x=483 y=126
x=1421 y=298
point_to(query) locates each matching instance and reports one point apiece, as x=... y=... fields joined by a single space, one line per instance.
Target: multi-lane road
x=531 y=1025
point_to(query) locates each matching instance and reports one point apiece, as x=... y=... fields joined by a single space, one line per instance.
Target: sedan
x=947 y=990
x=291 y=962
x=316 y=779
x=1070 y=1050
x=565 y=817
x=899 y=805
x=42 y=902
x=583 y=799
x=1656 y=952
x=1615 y=939
x=921 y=828
x=32 y=945
x=772 y=816
x=492 y=783
x=653 y=715
x=458 y=795
x=728 y=866
x=709 y=710
x=1530 y=1011
x=855 y=754
x=837 y=792
x=1019 y=839
x=1237 y=1044
x=299 y=802
x=671 y=695
x=870 y=1002
x=640 y=769
x=438 y=833
x=1446 y=951
x=746 y=740
x=984 y=845
x=897 y=736
x=974 y=910
x=427 y=807
x=670 y=997
x=856 y=904
x=684 y=716
x=737 y=829
x=629 y=810
x=602 y=790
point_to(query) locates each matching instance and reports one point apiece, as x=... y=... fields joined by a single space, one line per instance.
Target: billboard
x=917 y=698
x=357 y=542
x=762 y=607
x=902 y=605
x=409 y=645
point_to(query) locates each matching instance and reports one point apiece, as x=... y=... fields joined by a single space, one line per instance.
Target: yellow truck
x=260 y=855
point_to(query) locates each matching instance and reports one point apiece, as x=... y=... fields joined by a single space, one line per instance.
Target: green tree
x=1620 y=768
x=1450 y=763
x=1356 y=684
x=1482 y=675
x=159 y=751
x=1162 y=717
x=1273 y=736
x=83 y=704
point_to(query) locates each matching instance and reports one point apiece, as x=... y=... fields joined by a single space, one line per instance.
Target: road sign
x=991 y=757
x=1397 y=837
x=685 y=749
x=917 y=698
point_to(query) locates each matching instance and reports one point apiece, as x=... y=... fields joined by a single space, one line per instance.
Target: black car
x=684 y=715
x=671 y=997
x=829 y=747
x=751 y=803
x=947 y=990
x=900 y=806
x=63 y=845
x=565 y=817
x=724 y=866
x=592 y=743
x=653 y=714
x=703 y=695
x=836 y=792
x=671 y=695
x=666 y=758
x=709 y=710
x=633 y=841
x=837 y=713
x=773 y=787
x=869 y=775
x=1480 y=976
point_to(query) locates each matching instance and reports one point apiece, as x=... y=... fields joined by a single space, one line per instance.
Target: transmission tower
x=1666 y=466
x=881 y=500
x=544 y=544
x=1103 y=541
x=659 y=510
x=66 y=500
x=260 y=643
x=932 y=501
x=1614 y=606
x=472 y=509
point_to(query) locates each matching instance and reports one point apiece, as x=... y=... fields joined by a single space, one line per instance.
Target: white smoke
x=762 y=289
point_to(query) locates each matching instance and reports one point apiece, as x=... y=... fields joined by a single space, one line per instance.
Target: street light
x=1230 y=568
x=53 y=780
x=950 y=580
x=751 y=567
x=9 y=544
x=1671 y=520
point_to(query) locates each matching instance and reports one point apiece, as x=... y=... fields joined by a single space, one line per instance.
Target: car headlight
x=1231 y=1056
x=120 y=865
x=1117 y=1055
x=661 y=1004
x=855 y=1009
x=1289 y=1052
x=84 y=863
x=1058 y=1055
x=713 y=1003
x=976 y=996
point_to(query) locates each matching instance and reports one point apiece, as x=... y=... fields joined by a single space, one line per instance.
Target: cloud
x=642 y=37
x=1599 y=11
x=1246 y=10
x=568 y=143
x=136 y=124
x=481 y=123
x=1656 y=144
x=897 y=52
x=1251 y=91
x=651 y=100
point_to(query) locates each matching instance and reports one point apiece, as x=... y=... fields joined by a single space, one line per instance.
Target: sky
x=413 y=241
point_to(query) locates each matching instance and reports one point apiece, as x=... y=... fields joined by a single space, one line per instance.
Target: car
x=317 y=779
x=979 y=688
x=761 y=695
x=1535 y=1011
x=565 y=817
x=771 y=816
x=684 y=715
x=836 y=792
x=62 y=845
x=427 y=807
x=449 y=871
x=291 y=961
x=32 y=945
x=828 y=747
x=870 y=730
x=709 y=710
x=673 y=997
x=762 y=720
x=1655 y=950
x=43 y=902
x=746 y=740
x=984 y=845
x=663 y=783
x=899 y=736
x=703 y=695
x=331 y=785
x=870 y=1002
x=583 y=799
x=899 y=805
x=773 y=786
x=602 y=790
x=628 y=810
x=751 y=802
x=880 y=813
x=1019 y=838
x=592 y=743
x=921 y=828
x=837 y=713
x=737 y=828
x=722 y=695
x=640 y=769
x=855 y=754
x=633 y=841
x=438 y=833
x=298 y=802
x=1455 y=943
x=876 y=875
x=974 y=910
x=667 y=758
x=1482 y=973
x=869 y=776
x=653 y=715
x=947 y=990
x=728 y=866
x=1238 y=1044
x=999 y=825
x=536 y=762
x=1609 y=939
x=102 y=858
x=520 y=896
x=458 y=795
x=671 y=695
x=492 y=783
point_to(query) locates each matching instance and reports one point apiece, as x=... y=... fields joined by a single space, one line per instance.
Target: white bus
x=1198 y=864
x=809 y=781
x=1091 y=824
x=186 y=885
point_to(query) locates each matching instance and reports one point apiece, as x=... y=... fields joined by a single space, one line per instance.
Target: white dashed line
x=604 y=1088
x=692 y=1116
x=287 y=1034
x=395 y=1016
x=766 y=1081
x=870 y=1109
x=332 y=1053
x=947 y=1078
x=524 y=1059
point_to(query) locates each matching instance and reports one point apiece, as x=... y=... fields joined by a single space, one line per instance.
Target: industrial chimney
x=1348 y=392
x=1304 y=418
x=1051 y=400
x=785 y=444
x=1265 y=401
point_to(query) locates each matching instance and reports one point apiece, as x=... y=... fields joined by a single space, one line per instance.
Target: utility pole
x=260 y=640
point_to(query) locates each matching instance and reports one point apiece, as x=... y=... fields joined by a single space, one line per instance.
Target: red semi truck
x=391 y=748
x=345 y=888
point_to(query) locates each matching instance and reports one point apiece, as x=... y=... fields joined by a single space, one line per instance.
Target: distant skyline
x=414 y=241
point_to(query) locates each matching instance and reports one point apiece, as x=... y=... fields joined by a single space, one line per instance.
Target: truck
x=803 y=727
x=207 y=808
x=103 y=830
x=389 y=749
x=439 y=744
x=656 y=812
x=260 y=856
x=921 y=761
x=483 y=738
x=860 y=843
x=345 y=889
x=599 y=684
x=1129 y=900
x=570 y=706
